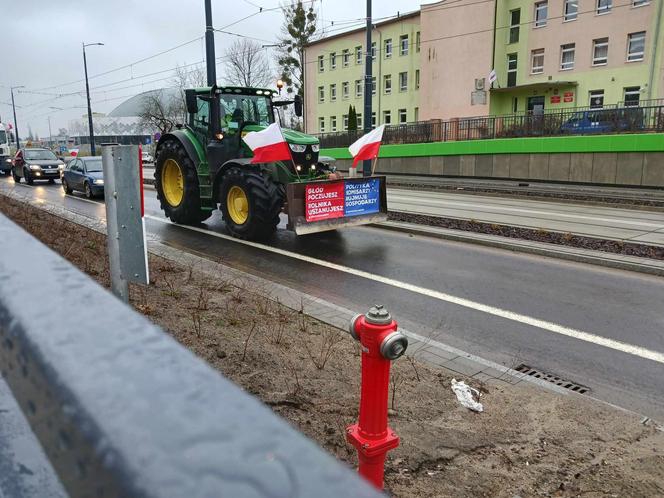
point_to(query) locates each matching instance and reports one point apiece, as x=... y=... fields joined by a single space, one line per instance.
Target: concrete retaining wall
x=611 y=168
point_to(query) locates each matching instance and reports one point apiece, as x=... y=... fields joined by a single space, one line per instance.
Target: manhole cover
x=554 y=379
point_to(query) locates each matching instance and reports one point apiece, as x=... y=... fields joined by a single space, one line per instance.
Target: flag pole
x=373 y=168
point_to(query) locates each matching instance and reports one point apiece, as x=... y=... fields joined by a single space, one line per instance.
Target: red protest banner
x=324 y=201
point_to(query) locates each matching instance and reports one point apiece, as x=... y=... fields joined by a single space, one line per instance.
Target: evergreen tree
x=352 y=118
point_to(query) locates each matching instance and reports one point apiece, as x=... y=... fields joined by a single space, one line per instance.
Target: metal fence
x=619 y=118
x=121 y=409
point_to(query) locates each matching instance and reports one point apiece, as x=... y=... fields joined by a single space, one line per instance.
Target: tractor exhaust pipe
x=210 y=58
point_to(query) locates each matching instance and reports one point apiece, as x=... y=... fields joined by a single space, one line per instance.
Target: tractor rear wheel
x=176 y=181
x=250 y=203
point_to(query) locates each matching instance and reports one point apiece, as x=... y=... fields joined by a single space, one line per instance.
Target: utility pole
x=50 y=133
x=210 y=58
x=87 y=91
x=18 y=143
x=366 y=165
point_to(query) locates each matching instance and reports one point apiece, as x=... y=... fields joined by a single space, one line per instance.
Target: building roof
x=399 y=17
x=132 y=107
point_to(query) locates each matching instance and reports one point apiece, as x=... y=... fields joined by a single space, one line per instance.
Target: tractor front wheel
x=250 y=203
x=176 y=181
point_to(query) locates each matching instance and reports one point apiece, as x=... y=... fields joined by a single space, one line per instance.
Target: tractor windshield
x=238 y=110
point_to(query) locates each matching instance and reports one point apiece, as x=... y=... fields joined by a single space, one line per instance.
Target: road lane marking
x=494 y=209
x=441 y=296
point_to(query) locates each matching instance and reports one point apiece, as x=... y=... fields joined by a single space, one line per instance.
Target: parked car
x=604 y=121
x=36 y=164
x=147 y=158
x=84 y=174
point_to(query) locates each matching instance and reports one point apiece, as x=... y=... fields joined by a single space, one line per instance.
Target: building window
x=373 y=119
x=600 y=52
x=345 y=89
x=403 y=45
x=632 y=96
x=515 y=25
x=639 y=3
x=515 y=105
x=537 y=61
x=358 y=87
x=417 y=41
x=345 y=121
x=403 y=116
x=359 y=121
x=373 y=86
x=403 y=82
x=387 y=84
x=512 y=62
x=373 y=51
x=417 y=79
x=333 y=60
x=417 y=114
x=345 y=57
x=387 y=117
x=567 y=56
x=596 y=99
x=333 y=92
x=636 y=46
x=388 y=48
x=321 y=63
x=358 y=55
x=604 y=6
x=541 y=11
x=321 y=94
x=571 y=10
x=321 y=125
x=333 y=123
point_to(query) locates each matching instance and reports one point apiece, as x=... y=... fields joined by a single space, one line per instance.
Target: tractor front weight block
x=322 y=205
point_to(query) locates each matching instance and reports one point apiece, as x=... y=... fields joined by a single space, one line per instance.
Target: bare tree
x=247 y=65
x=163 y=109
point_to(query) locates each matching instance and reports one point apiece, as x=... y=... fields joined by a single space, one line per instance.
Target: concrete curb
x=598 y=258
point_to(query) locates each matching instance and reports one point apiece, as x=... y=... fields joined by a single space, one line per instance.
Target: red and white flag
x=367 y=147
x=268 y=145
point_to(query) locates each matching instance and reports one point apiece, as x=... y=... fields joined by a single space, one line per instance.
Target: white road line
x=466 y=303
x=455 y=205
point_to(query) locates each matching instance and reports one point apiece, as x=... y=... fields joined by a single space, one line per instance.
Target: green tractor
x=206 y=164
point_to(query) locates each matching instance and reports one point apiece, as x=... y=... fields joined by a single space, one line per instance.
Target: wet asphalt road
x=614 y=304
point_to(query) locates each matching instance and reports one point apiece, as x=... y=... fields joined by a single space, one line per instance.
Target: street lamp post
x=18 y=143
x=368 y=87
x=87 y=91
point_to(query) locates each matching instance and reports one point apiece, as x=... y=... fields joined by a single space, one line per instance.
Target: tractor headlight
x=297 y=148
x=61 y=167
x=315 y=148
x=35 y=167
x=98 y=181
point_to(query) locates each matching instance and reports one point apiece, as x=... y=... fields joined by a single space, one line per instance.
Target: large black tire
x=66 y=187
x=189 y=211
x=265 y=197
x=28 y=177
x=16 y=178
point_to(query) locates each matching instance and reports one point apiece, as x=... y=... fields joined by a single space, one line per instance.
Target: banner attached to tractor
x=327 y=205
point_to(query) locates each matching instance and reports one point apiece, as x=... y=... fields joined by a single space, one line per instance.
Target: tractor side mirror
x=297 y=103
x=190 y=99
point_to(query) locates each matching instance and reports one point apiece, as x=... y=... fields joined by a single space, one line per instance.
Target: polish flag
x=268 y=145
x=368 y=146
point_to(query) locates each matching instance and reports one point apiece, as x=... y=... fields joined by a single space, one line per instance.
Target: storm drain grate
x=565 y=384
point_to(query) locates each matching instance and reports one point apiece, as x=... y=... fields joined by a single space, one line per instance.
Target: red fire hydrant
x=381 y=343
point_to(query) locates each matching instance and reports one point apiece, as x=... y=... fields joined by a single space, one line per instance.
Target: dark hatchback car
x=84 y=174
x=36 y=164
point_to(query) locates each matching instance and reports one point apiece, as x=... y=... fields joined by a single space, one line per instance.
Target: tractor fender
x=188 y=141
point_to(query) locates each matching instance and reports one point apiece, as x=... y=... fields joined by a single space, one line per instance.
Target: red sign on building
x=569 y=97
x=555 y=99
x=324 y=201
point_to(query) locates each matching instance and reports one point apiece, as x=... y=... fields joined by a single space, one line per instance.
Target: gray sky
x=43 y=47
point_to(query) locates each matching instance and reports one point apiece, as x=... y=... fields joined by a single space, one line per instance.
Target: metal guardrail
x=121 y=409
x=608 y=120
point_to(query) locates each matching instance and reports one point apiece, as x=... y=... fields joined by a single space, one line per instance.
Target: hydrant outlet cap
x=378 y=315
x=394 y=346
